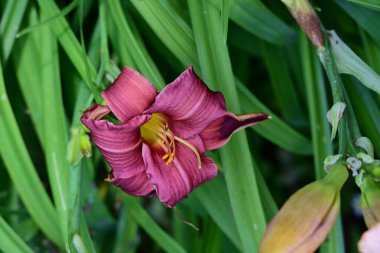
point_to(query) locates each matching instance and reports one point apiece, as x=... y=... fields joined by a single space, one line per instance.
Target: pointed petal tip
x=220 y=131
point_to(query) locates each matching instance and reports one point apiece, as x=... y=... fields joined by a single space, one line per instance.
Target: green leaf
x=366 y=18
x=349 y=63
x=256 y=18
x=374 y=4
x=9 y=25
x=150 y=226
x=10 y=241
x=216 y=69
x=125 y=36
x=22 y=172
x=55 y=130
x=71 y=45
x=214 y=198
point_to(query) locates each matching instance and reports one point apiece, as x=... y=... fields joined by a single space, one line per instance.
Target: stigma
x=157 y=134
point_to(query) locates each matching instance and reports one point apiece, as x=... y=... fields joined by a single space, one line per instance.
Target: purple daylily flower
x=161 y=142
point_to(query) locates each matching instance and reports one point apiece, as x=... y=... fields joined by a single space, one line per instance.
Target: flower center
x=156 y=133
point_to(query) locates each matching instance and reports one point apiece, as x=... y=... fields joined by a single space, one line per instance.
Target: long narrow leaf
x=55 y=132
x=236 y=158
x=9 y=25
x=23 y=173
x=150 y=226
x=10 y=241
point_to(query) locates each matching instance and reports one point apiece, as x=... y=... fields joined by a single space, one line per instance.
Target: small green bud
x=373 y=168
x=330 y=161
x=366 y=144
x=365 y=158
x=334 y=115
x=370 y=201
x=306 y=218
x=73 y=151
x=85 y=146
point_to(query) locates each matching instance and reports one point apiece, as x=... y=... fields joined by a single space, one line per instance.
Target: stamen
x=156 y=132
x=192 y=149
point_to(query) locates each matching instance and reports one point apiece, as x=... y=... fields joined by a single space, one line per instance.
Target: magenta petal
x=121 y=146
x=129 y=95
x=189 y=104
x=136 y=185
x=176 y=180
x=220 y=131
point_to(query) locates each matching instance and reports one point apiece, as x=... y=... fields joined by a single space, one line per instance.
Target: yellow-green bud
x=373 y=168
x=85 y=146
x=370 y=201
x=304 y=221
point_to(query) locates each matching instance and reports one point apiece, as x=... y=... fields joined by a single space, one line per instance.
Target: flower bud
x=304 y=14
x=369 y=242
x=85 y=146
x=330 y=161
x=370 y=201
x=373 y=168
x=366 y=144
x=334 y=115
x=304 y=221
x=78 y=146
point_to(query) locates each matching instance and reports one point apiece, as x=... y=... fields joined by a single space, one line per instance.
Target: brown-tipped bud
x=304 y=14
x=370 y=201
x=304 y=221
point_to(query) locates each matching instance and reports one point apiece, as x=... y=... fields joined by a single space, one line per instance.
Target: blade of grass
x=22 y=172
x=170 y=27
x=150 y=226
x=371 y=49
x=77 y=224
x=225 y=15
x=214 y=198
x=256 y=18
x=349 y=63
x=211 y=238
x=27 y=62
x=63 y=13
x=10 y=241
x=141 y=60
x=9 y=25
x=282 y=85
x=320 y=131
x=374 y=4
x=126 y=233
x=366 y=18
x=176 y=34
x=216 y=69
x=274 y=130
x=367 y=111
x=317 y=104
x=71 y=45
x=55 y=131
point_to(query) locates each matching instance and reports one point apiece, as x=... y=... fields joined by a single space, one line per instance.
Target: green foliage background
x=57 y=56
